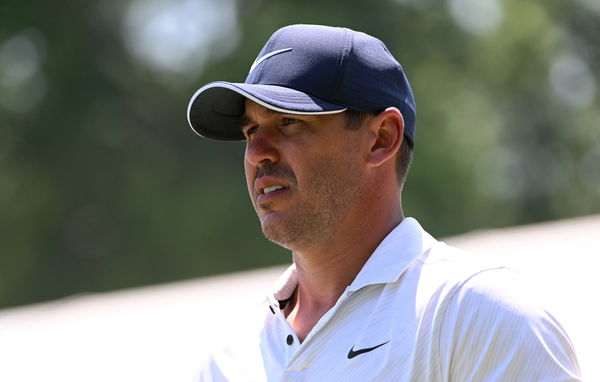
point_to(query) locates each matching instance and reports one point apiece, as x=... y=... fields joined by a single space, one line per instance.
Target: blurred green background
x=104 y=186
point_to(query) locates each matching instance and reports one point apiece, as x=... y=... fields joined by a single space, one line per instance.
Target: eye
x=289 y=121
x=248 y=132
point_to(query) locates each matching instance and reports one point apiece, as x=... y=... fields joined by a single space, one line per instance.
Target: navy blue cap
x=308 y=69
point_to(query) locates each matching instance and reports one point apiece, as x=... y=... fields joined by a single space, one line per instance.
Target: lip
x=268 y=181
x=271 y=195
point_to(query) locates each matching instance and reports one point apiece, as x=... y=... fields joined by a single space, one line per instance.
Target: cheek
x=337 y=172
x=319 y=173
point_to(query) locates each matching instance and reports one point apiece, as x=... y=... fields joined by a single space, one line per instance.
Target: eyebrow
x=246 y=120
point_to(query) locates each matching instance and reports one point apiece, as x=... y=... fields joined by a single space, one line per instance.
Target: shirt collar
x=401 y=246
x=395 y=253
x=285 y=284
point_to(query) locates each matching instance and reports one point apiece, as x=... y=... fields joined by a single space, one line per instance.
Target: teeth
x=266 y=190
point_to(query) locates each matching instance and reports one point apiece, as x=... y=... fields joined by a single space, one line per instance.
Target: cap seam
x=342 y=59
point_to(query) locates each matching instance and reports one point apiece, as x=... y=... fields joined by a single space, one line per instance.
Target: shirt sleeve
x=495 y=329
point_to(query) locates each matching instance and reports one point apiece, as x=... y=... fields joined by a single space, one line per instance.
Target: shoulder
x=234 y=362
x=497 y=298
x=494 y=324
x=477 y=288
x=233 y=355
x=443 y=271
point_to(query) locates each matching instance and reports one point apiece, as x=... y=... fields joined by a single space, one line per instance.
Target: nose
x=262 y=147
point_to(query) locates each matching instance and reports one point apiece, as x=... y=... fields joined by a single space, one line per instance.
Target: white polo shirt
x=418 y=310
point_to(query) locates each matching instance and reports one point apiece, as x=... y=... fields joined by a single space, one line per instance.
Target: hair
x=356 y=120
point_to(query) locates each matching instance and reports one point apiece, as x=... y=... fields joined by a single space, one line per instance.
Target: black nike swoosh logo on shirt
x=353 y=353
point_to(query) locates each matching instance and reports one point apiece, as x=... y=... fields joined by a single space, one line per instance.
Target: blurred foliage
x=104 y=186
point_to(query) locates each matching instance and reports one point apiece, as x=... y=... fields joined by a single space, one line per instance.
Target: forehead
x=253 y=110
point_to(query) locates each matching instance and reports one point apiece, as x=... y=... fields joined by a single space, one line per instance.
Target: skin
x=339 y=200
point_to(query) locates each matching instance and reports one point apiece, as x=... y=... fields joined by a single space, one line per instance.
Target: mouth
x=270 y=192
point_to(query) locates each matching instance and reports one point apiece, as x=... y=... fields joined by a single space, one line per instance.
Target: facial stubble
x=320 y=207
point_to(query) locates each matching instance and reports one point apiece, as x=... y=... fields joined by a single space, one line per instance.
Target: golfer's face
x=299 y=171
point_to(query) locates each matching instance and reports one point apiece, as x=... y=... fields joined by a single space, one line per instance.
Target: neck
x=325 y=271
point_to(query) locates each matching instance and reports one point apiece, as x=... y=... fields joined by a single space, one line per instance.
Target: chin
x=289 y=236
x=278 y=232
x=275 y=233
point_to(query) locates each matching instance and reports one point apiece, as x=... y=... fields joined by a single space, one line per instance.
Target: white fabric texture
x=419 y=310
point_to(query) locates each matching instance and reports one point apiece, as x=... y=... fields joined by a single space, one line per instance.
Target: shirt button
x=289 y=339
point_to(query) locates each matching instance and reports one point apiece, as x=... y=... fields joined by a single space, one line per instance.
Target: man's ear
x=387 y=133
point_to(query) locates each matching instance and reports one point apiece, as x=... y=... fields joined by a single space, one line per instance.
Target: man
x=329 y=122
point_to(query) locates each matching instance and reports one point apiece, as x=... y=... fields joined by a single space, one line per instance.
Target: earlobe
x=388 y=133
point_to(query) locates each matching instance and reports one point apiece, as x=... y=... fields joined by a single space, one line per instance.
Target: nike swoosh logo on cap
x=268 y=55
x=353 y=353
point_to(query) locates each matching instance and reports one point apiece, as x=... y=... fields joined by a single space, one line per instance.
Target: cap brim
x=215 y=110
